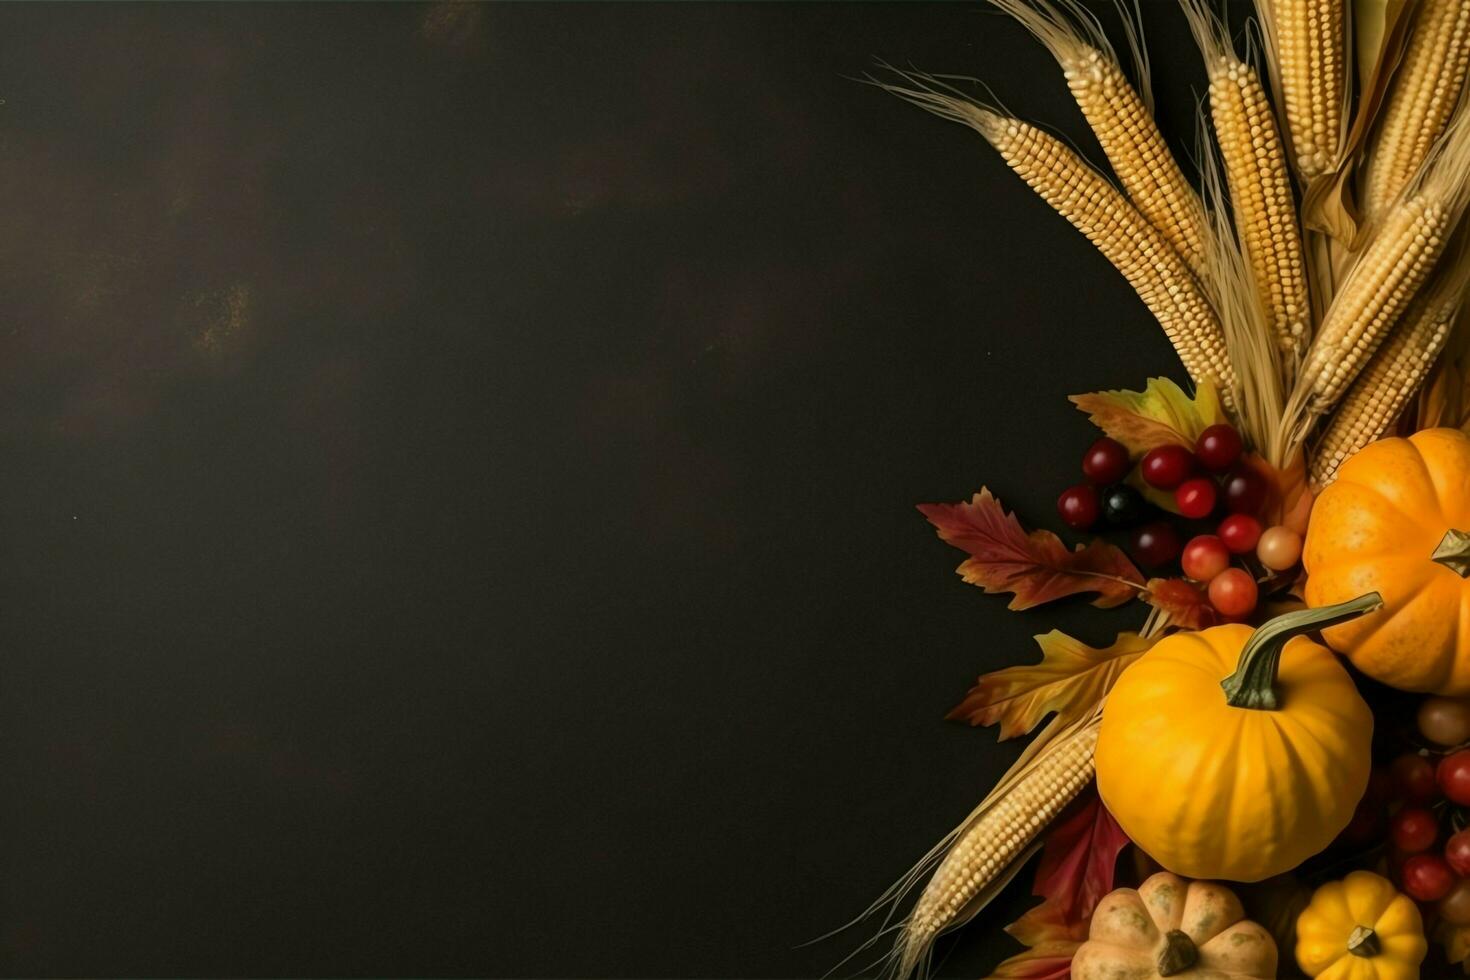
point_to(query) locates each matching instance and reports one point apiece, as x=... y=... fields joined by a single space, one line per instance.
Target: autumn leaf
x=1374 y=24
x=1079 y=859
x=1185 y=602
x=1288 y=497
x=1035 y=567
x=1070 y=679
x=1051 y=942
x=1078 y=867
x=1045 y=961
x=1162 y=414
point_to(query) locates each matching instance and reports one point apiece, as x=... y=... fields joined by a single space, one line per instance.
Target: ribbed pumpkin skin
x=1126 y=934
x=1374 y=530
x=1212 y=791
x=1360 y=899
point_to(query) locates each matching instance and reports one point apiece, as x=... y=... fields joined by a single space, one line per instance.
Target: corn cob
x=988 y=846
x=1378 y=289
x=1260 y=194
x=1387 y=385
x=1095 y=207
x=1308 y=40
x=1426 y=88
x=1260 y=395
x=1138 y=154
x=1135 y=247
x=1123 y=123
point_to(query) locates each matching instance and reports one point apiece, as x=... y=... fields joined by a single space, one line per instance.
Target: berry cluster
x=1427 y=794
x=1204 y=480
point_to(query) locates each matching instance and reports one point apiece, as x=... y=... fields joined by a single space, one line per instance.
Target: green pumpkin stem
x=1180 y=953
x=1253 y=685
x=1454 y=552
x=1364 y=942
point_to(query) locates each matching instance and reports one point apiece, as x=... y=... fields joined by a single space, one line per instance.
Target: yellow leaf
x=1070 y=679
x=1159 y=415
x=1044 y=961
x=1052 y=942
x=1370 y=19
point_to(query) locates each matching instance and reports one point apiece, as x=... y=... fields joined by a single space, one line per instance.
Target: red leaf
x=1077 y=869
x=1078 y=861
x=1185 y=602
x=1036 y=567
x=1045 y=923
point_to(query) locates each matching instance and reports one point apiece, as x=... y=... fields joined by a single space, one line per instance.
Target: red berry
x=1245 y=491
x=1079 y=506
x=1413 y=779
x=1427 y=877
x=1218 y=447
x=1457 y=852
x=1105 y=462
x=1233 y=592
x=1413 y=829
x=1240 y=532
x=1453 y=776
x=1166 y=466
x=1205 y=557
x=1195 y=498
x=1155 y=544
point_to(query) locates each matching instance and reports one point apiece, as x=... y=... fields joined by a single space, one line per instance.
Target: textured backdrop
x=459 y=468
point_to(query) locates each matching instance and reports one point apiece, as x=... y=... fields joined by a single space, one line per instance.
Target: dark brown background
x=459 y=468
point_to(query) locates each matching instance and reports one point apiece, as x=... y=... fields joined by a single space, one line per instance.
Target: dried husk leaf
x=1379 y=28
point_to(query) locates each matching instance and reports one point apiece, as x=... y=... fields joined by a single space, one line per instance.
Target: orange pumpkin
x=1397 y=522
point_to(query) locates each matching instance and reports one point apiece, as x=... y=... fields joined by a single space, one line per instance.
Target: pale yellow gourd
x=1173 y=927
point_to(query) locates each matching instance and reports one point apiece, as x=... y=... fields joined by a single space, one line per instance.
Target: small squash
x=1171 y=927
x=1397 y=522
x=1360 y=928
x=1241 y=778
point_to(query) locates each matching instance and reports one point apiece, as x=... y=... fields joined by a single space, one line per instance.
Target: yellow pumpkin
x=1397 y=522
x=1170 y=927
x=1239 y=777
x=1360 y=928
